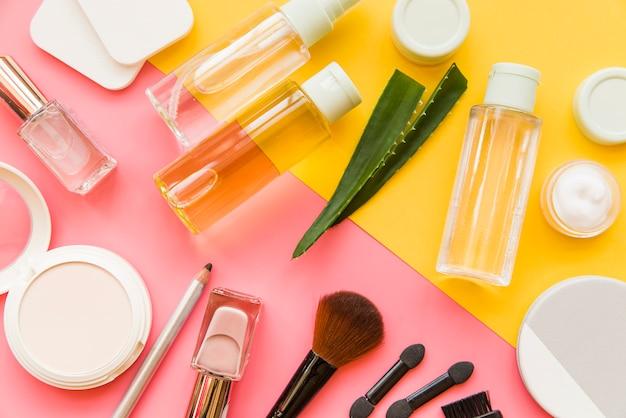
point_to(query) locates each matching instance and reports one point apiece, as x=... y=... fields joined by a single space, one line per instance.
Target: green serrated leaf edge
x=394 y=108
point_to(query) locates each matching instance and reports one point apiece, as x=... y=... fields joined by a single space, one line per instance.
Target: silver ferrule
x=210 y=397
x=18 y=90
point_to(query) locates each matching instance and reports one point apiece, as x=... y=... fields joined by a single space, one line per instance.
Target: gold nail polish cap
x=18 y=90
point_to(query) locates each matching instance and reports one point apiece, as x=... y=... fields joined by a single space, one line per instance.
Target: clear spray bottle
x=206 y=91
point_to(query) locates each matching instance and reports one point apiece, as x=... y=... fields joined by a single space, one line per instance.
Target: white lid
x=430 y=31
x=600 y=106
x=41 y=227
x=314 y=19
x=332 y=91
x=512 y=85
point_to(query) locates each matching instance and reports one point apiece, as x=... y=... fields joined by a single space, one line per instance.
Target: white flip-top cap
x=512 y=85
x=332 y=91
x=600 y=106
x=314 y=19
x=430 y=31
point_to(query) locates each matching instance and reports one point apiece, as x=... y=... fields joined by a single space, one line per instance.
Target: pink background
x=251 y=253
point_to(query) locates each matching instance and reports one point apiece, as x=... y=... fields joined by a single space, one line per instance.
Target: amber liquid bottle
x=231 y=165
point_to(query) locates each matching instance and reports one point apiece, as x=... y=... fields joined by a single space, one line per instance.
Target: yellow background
x=566 y=39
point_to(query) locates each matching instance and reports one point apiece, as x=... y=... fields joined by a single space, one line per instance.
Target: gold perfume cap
x=17 y=90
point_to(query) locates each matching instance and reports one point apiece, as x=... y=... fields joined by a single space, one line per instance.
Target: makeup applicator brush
x=458 y=373
x=347 y=325
x=409 y=358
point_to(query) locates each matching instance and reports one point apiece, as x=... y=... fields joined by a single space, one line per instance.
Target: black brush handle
x=430 y=391
x=312 y=374
x=393 y=376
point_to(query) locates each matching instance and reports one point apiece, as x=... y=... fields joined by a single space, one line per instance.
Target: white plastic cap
x=430 y=31
x=600 y=106
x=512 y=85
x=332 y=91
x=314 y=19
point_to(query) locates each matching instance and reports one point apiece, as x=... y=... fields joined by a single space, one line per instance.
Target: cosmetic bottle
x=52 y=133
x=222 y=351
x=206 y=91
x=493 y=179
x=263 y=141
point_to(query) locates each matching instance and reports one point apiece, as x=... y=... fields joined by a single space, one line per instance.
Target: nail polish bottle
x=222 y=351
x=206 y=91
x=263 y=141
x=52 y=133
x=493 y=179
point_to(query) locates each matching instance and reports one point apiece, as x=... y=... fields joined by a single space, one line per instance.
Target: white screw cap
x=512 y=85
x=332 y=91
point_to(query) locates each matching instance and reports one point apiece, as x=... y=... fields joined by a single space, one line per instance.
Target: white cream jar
x=581 y=199
x=76 y=317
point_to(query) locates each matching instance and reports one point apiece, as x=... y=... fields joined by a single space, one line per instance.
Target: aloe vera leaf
x=444 y=97
x=395 y=106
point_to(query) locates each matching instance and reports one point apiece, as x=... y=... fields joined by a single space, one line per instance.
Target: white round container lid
x=600 y=106
x=41 y=228
x=571 y=348
x=430 y=31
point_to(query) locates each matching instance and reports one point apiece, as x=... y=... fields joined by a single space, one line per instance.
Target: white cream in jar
x=581 y=199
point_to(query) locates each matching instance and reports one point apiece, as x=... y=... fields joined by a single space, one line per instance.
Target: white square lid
x=41 y=225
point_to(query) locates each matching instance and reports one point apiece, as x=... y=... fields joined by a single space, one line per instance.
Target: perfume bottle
x=493 y=179
x=231 y=165
x=232 y=72
x=52 y=133
x=222 y=351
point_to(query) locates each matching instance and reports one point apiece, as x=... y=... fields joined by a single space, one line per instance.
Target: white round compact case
x=75 y=317
x=571 y=350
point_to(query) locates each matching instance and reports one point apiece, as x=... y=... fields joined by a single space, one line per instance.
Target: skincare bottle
x=52 y=133
x=222 y=351
x=263 y=141
x=493 y=179
x=233 y=71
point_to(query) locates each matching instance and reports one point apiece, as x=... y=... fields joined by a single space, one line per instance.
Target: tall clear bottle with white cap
x=493 y=180
x=264 y=140
x=206 y=91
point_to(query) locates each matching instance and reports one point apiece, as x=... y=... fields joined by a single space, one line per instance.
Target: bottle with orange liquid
x=231 y=165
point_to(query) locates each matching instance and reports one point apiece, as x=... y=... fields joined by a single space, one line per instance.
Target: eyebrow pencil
x=163 y=343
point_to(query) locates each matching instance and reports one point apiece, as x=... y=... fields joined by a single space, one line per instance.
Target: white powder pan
x=75 y=317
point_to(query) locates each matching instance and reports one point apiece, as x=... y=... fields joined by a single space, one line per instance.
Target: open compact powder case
x=75 y=317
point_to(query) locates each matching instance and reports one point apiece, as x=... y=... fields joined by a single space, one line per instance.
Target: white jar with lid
x=581 y=199
x=75 y=317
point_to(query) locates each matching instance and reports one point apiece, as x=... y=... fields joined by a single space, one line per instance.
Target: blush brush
x=347 y=325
